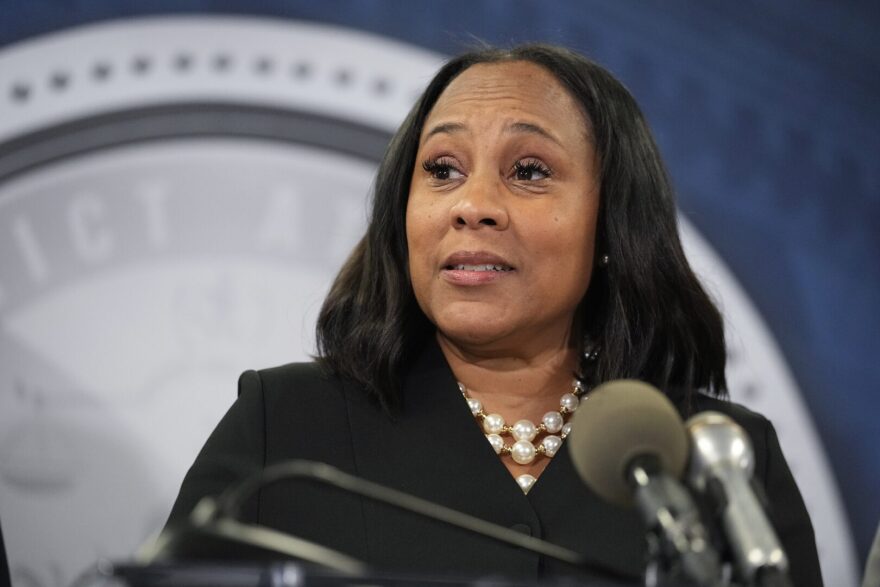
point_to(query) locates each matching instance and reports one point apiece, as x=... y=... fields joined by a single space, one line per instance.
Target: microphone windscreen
x=621 y=420
x=717 y=441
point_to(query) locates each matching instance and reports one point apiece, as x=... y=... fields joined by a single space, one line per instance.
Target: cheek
x=422 y=228
x=421 y=243
x=569 y=236
x=420 y=267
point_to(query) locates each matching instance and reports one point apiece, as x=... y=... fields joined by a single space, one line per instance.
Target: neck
x=521 y=385
x=517 y=387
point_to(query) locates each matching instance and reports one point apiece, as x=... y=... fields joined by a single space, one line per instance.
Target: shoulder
x=301 y=395
x=742 y=415
x=296 y=381
x=689 y=405
x=311 y=373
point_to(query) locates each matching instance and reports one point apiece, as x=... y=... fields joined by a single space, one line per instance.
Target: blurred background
x=180 y=181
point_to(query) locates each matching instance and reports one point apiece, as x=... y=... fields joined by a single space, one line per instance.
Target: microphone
x=214 y=529
x=629 y=445
x=722 y=464
x=209 y=535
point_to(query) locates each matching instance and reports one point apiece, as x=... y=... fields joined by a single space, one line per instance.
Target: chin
x=476 y=332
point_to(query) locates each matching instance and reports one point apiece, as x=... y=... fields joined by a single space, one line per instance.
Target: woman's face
x=501 y=217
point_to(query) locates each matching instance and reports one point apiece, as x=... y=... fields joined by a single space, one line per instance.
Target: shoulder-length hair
x=646 y=311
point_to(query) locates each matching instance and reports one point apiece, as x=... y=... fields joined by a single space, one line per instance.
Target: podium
x=292 y=574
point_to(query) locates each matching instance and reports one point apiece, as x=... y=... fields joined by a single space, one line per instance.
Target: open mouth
x=479 y=268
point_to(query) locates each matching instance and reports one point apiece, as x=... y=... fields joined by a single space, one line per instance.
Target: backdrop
x=155 y=157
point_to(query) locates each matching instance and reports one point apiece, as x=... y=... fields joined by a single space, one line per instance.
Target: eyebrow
x=445 y=128
x=529 y=128
x=515 y=128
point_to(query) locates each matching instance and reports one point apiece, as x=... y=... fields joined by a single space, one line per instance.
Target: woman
x=522 y=248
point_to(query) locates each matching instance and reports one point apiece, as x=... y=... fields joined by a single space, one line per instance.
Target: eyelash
x=442 y=165
x=435 y=166
x=531 y=165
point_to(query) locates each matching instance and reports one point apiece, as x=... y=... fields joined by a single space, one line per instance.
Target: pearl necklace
x=523 y=450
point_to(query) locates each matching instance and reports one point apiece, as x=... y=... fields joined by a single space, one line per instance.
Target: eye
x=442 y=169
x=530 y=170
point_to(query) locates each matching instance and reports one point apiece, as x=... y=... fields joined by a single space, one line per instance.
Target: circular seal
x=172 y=213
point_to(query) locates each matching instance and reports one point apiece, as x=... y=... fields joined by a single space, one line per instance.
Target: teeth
x=480 y=268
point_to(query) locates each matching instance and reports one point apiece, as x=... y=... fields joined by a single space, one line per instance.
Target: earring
x=604 y=260
x=591 y=350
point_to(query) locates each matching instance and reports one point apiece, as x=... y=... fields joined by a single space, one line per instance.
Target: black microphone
x=208 y=535
x=629 y=445
x=214 y=529
x=722 y=464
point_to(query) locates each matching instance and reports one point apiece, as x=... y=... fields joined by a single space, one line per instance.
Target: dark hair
x=646 y=311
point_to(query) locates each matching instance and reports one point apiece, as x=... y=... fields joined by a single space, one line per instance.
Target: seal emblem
x=171 y=214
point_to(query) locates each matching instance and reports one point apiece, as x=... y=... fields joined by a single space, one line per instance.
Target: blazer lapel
x=578 y=519
x=434 y=449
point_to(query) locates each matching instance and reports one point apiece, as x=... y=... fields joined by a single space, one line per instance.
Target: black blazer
x=434 y=449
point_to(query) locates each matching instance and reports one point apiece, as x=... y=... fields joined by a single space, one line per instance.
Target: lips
x=479 y=261
x=479 y=268
x=475 y=268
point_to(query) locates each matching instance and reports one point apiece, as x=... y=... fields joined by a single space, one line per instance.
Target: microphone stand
x=226 y=509
x=680 y=548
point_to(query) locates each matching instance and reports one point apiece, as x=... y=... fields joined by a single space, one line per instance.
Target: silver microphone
x=721 y=467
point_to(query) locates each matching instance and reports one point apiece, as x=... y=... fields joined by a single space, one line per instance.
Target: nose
x=479 y=204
